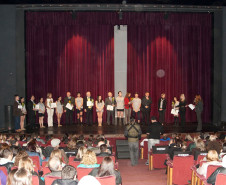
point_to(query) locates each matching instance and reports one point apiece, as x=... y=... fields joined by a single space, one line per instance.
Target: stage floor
x=111 y=130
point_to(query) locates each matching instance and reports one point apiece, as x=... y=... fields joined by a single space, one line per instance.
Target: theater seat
x=49 y=180
x=83 y=172
x=35 y=180
x=108 y=180
x=221 y=179
x=74 y=163
x=4 y=169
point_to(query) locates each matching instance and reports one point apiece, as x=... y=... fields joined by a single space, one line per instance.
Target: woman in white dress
x=120 y=107
x=79 y=107
x=50 y=110
x=24 y=112
x=99 y=109
x=175 y=104
x=41 y=113
x=59 y=110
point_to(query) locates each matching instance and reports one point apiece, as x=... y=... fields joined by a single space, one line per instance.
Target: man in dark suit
x=31 y=112
x=69 y=113
x=110 y=101
x=17 y=112
x=162 y=108
x=88 y=108
x=146 y=108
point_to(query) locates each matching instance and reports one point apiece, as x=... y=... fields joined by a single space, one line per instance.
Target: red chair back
x=200 y=158
x=159 y=160
x=163 y=143
x=44 y=163
x=71 y=158
x=108 y=180
x=74 y=163
x=100 y=159
x=49 y=180
x=4 y=169
x=83 y=172
x=36 y=161
x=221 y=179
x=182 y=164
x=35 y=180
x=211 y=169
x=45 y=170
x=145 y=150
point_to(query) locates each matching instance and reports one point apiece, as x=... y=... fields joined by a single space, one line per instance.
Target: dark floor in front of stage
x=113 y=130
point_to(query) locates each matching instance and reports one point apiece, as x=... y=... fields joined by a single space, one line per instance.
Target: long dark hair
x=99 y=101
x=106 y=168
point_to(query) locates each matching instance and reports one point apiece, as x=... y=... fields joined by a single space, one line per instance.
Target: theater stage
x=111 y=130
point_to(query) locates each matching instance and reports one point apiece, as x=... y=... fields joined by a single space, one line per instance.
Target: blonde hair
x=57 y=153
x=19 y=156
x=48 y=95
x=10 y=177
x=81 y=151
x=188 y=137
x=200 y=145
x=212 y=156
x=213 y=137
x=23 y=177
x=182 y=97
x=89 y=158
x=26 y=163
x=196 y=138
x=54 y=164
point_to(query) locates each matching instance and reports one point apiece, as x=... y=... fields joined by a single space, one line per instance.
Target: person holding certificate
x=50 y=109
x=17 y=113
x=59 y=110
x=41 y=112
x=24 y=112
x=198 y=109
x=110 y=106
x=136 y=104
x=175 y=104
x=162 y=107
x=127 y=102
x=79 y=107
x=69 y=102
x=146 y=108
x=182 y=109
x=88 y=108
x=99 y=109
x=31 y=112
x=120 y=107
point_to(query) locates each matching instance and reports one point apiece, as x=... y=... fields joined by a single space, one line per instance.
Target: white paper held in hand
x=89 y=103
x=37 y=107
x=53 y=105
x=191 y=106
x=110 y=107
x=20 y=107
x=69 y=106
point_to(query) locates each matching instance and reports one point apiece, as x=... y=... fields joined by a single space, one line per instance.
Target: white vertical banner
x=120 y=59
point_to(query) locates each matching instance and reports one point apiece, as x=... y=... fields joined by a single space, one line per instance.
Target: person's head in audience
x=69 y=172
x=65 y=138
x=71 y=144
x=213 y=138
x=188 y=138
x=10 y=177
x=81 y=151
x=57 y=153
x=184 y=146
x=89 y=158
x=23 y=177
x=100 y=143
x=55 y=143
x=103 y=148
x=196 y=138
x=48 y=137
x=55 y=164
x=81 y=138
x=153 y=119
x=89 y=143
x=7 y=154
x=164 y=136
x=201 y=145
x=19 y=156
x=31 y=146
x=88 y=180
x=15 y=150
x=106 y=168
x=173 y=135
x=178 y=143
x=80 y=144
x=26 y=163
x=212 y=155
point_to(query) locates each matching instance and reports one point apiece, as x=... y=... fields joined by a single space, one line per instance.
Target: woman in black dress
x=182 y=109
x=198 y=109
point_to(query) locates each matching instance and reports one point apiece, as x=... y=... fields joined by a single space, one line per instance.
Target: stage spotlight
x=120 y=15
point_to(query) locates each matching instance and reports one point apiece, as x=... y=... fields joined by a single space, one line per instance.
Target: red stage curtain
x=174 y=56
x=65 y=57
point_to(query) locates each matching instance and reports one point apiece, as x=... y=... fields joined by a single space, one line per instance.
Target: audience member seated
x=106 y=169
x=179 y=146
x=6 y=160
x=22 y=177
x=34 y=150
x=68 y=176
x=165 y=138
x=89 y=180
x=212 y=159
x=188 y=138
x=71 y=149
x=55 y=167
x=213 y=144
x=19 y=156
x=193 y=144
x=58 y=153
x=89 y=160
x=104 y=151
x=10 y=177
x=212 y=178
x=81 y=151
x=200 y=147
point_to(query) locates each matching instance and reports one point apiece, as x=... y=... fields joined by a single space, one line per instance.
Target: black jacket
x=8 y=166
x=146 y=102
x=16 y=110
x=199 y=107
x=85 y=103
x=66 y=101
x=163 y=104
x=212 y=178
x=30 y=107
x=65 y=182
x=103 y=154
x=155 y=130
